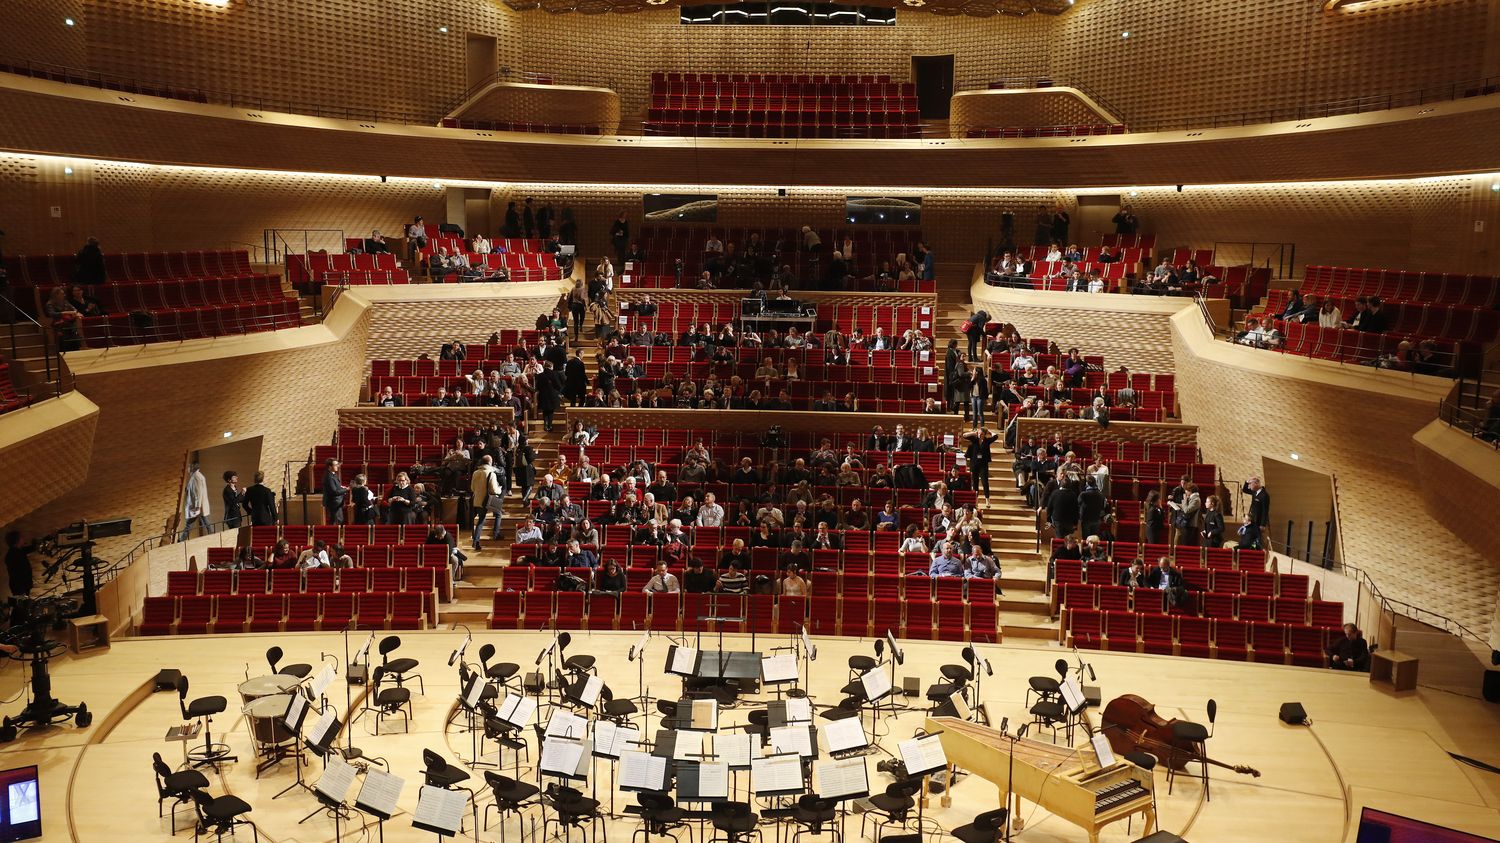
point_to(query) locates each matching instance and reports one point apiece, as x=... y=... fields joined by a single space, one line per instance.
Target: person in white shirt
x=1329 y=315
x=606 y=271
x=315 y=557
x=710 y=514
x=1096 y=284
x=1054 y=253
x=481 y=246
x=662 y=582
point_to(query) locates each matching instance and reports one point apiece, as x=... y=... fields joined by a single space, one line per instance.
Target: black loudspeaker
x=1492 y=686
x=1293 y=713
x=533 y=683
x=911 y=686
x=166 y=679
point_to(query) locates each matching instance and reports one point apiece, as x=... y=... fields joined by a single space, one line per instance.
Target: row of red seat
x=1403 y=285
x=349 y=535
x=1361 y=347
x=223 y=580
x=515 y=126
x=677 y=318
x=837 y=130
x=1229 y=602
x=1046 y=131
x=852 y=285
x=665 y=243
x=302 y=270
x=176 y=294
x=190 y=323
x=1265 y=642
x=232 y=613
x=1129 y=255
x=108 y=83
x=133 y=266
x=1445 y=321
x=682 y=355
x=821 y=615
x=743 y=85
x=9 y=398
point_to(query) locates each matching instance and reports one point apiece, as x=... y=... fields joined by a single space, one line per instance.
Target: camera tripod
x=43 y=710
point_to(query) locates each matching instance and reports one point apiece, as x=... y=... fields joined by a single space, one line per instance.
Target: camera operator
x=18 y=564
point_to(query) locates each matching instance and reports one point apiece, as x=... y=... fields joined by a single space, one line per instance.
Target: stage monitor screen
x=21 y=809
x=1380 y=827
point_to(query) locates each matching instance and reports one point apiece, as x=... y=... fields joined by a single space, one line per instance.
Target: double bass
x=1132 y=725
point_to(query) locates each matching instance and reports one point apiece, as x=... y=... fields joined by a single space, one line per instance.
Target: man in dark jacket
x=260 y=502
x=1260 y=502
x=1349 y=652
x=334 y=493
x=1091 y=503
x=1062 y=509
x=576 y=380
x=549 y=389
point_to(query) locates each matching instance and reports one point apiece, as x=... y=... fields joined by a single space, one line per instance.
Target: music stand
x=378 y=795
x=322 y=741
x=610 y=741
x=469 y=703
x=923 y=756
x=515 y=712
x=440 y=811
x=842 y=780
x=293 y=717
x=332 y=789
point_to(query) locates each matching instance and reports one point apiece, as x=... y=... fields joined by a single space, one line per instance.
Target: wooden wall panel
x=422 y=416
x=45 y=451
x=1128 y=330
x=408 y=321
x=37 y=32
x=1074 y=430
x=1022 y=108
x=758 y=421
x=509 y=102
x=1460 y=480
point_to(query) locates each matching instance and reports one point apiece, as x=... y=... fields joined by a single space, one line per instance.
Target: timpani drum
x=265 y=715
x=266 y=686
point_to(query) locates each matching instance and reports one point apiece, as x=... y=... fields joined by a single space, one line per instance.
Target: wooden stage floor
x=1367 y=746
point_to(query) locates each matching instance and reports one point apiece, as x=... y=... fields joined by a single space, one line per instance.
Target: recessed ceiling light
x=67 y=21
x=1495 y=187
x=67 y=171
x=228 y=434
x=1296 y=456
x=442 y=29
x=1125 y=34
x=437 y=185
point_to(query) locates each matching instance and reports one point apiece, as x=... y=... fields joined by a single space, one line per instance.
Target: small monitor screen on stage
x=21 y=811
x=1380 y=827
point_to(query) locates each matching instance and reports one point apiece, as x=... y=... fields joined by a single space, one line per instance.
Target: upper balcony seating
x=508 y=126
x=1046 y=131
x=781 y=106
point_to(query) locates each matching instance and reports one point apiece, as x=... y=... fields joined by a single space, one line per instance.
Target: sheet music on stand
x=845 y=735
x=799 y=710
x=778 y=668
x=363 y=653
x=704 y=716
x=566 y=757
x=798 y=739
x=807 y=645
x=689 y=746
x=475 y=691
x=923 y=755
x=642 y=771
x=682 y=661
x=516 y=710
x=296 y=712
x=336 y=780
x=776 y=775
x=586 y=691
x=735 y=749
x=324 y=731
x=848 y=778
x=324 y=678
x=378 y=795
x=702 y=781
x=876 y=683
x=439 y=811
x=611 y=740
x=1102 y=750
x=566 y=724
x=1072 y=695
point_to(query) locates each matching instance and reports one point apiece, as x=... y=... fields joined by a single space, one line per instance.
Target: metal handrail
x=153 y=333
x=1286 y=255
x=279 y=249
x=51 y=362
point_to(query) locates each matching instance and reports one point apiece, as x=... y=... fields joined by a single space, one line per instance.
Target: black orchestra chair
x=581 y=663
x=389 y=701
x=1189 y=745
x=501 y=672
x=814 y=814
x=439 y=773
x=178 y=786
x=221 y=814
x=570 y=810
x=617 y=710
x=986 y=828
x=1146 y=761
x=1045 y=687
x=863 y=664
x=399 y=669
x=298 y=671
x=204 y=709
x=893 y=807
x=511 y=797
x=660 y=817
x=734 y=822
x=505 y=735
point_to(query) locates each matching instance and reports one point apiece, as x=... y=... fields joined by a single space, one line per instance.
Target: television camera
x=71 y=549
x=26 y=641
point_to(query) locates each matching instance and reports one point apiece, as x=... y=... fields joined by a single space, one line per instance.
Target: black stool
x=573 y=810
x=179 y=786
x=660 y=817
x=1188 y=745
x=733 y=822
x=813 y=812
x=986 y=828
x=398 y=669
x=221 y=814
x=894 y=805
x=298 y=671
x=204 y=708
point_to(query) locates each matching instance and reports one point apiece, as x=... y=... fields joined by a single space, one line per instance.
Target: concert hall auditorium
x=930 y=420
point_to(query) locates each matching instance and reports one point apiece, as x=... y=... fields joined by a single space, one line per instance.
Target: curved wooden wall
x=517 y=102
x=1440 y=139
x=1024 y=107
x=45 y=451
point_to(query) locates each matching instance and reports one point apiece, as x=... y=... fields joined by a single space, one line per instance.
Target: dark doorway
x=933 y=76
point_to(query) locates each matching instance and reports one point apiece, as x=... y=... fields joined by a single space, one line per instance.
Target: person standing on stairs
x=549 y=389
x=977 y=454
x=952 y=363
x=578 y=302
x=979 y=393
x=576 y=380
x=484 y=485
